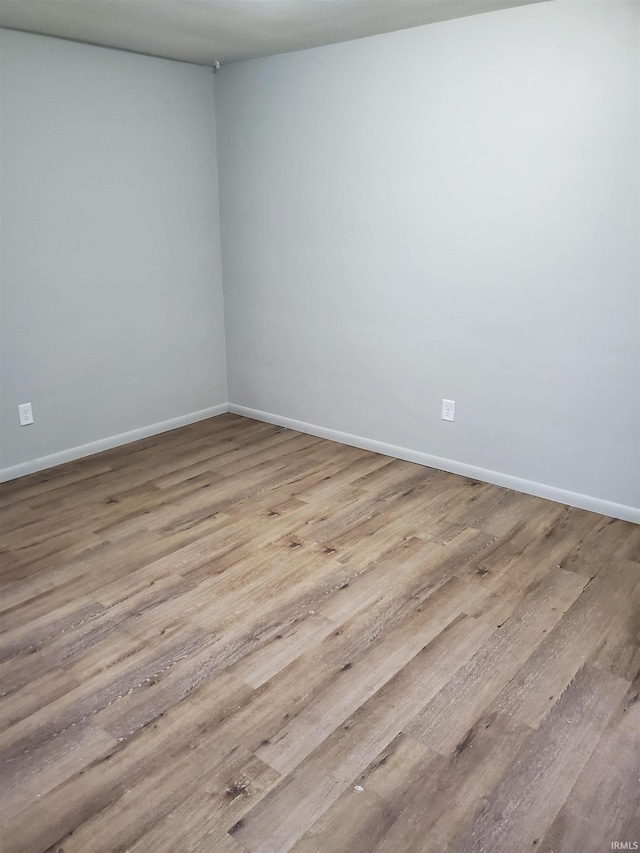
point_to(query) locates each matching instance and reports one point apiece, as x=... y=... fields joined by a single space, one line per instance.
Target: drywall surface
x=450 y=211
x=111 y=292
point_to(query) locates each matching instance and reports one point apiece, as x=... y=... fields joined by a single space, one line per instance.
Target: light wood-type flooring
x=236 y=637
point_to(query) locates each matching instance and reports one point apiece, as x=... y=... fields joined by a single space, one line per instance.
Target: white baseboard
x=593 y=504
x=50 y=461
x=529 y=487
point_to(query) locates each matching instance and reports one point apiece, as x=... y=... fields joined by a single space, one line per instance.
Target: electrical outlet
x=26 y=414
x=448 y=410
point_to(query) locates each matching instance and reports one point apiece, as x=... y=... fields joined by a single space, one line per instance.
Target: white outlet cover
x=26 y=414
x=448 y=410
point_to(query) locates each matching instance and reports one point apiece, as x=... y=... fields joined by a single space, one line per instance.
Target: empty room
x=319 y=426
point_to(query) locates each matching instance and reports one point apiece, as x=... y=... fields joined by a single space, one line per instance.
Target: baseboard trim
x=529 y=487
x=82 y=450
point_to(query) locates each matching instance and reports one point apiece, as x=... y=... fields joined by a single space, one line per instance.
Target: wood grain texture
x=236 y=637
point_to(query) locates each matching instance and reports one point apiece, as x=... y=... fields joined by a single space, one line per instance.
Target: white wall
x=448 y=211
x=111 y=292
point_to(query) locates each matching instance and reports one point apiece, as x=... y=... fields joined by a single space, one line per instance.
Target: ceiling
x=203 y=31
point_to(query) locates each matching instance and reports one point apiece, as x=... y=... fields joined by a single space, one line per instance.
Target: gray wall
x=449 y=211
x=111 y=291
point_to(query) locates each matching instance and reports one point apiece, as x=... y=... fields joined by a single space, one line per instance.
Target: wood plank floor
x=236 y=637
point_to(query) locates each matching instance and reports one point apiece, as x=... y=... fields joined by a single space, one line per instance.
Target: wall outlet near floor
x=26 y=414
x=448 y=410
